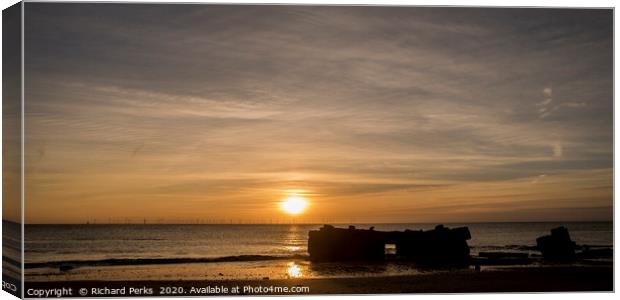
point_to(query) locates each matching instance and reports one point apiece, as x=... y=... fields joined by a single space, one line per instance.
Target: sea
x=210 y=251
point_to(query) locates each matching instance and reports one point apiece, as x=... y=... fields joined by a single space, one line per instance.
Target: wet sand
x=521 y=279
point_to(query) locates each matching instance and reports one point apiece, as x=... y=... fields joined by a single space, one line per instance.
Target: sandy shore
x=525 y=279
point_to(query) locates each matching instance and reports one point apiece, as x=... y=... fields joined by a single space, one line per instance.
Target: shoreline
x=505 y=280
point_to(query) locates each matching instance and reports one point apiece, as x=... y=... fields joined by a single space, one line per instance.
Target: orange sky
x=217 y=113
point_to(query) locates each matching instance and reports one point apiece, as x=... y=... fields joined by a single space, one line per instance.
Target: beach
x=141 y=260
x=506 y=280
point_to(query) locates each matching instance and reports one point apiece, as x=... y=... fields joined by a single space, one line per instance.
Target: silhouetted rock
x=557 y=246
x=339 y=244
x=439 y=246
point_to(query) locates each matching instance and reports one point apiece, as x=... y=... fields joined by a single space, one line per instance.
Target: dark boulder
x=339 y=244
x=558 y=246
x=438 y=246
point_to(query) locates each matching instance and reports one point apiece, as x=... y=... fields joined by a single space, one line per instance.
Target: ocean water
x=11 y=250
x=240 y=251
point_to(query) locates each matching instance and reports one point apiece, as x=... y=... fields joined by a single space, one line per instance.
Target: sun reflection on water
x=293 y=270
x=293 y=248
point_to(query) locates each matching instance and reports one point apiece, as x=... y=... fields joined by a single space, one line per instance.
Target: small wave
x=506 y=247
x=116 y=239
x=156 y=261
x=14 y=262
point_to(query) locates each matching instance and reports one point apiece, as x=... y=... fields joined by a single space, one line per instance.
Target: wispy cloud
x=228 y=106
x=546 y=107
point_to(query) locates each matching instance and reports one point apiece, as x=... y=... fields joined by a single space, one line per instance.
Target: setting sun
x=294 y=205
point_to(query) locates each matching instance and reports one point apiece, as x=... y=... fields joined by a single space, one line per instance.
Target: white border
x=23 y=140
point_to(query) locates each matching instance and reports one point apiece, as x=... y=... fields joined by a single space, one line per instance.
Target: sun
x=294 y=205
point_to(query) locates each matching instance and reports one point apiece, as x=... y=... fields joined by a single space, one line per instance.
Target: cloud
x=557 y=150
x=573 y=104
x=381 y=101
x=546 y=107
x=539 y=178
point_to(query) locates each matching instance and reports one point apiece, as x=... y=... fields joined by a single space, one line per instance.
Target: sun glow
x=294 y=205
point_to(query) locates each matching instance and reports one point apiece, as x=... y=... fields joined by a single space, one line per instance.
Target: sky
x=11 y=113
x=216 y=113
